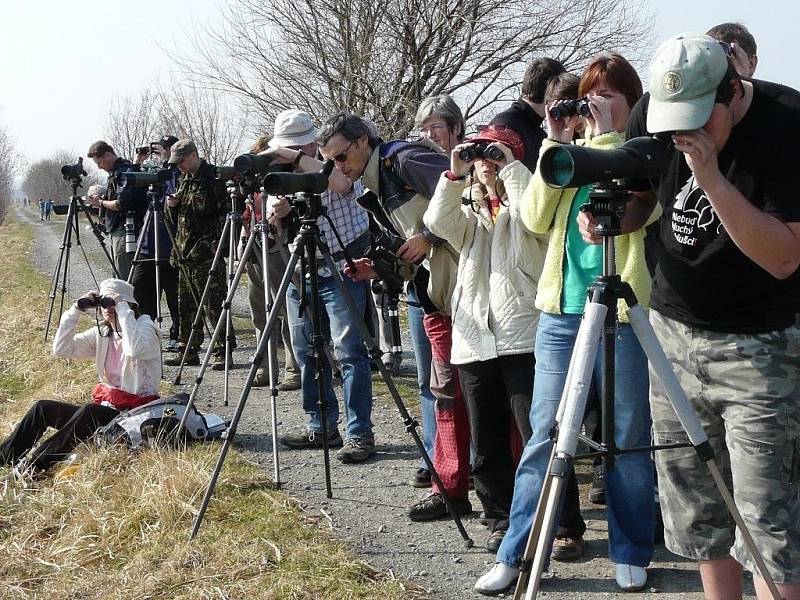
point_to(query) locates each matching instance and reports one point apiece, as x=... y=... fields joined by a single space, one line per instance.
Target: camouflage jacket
x=199 y=215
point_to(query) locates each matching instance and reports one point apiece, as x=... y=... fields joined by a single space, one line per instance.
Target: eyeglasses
x=342 y=156
x=432 y=128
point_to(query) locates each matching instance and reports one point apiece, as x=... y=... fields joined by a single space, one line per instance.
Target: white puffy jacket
x=498 y=270
x=141 y=348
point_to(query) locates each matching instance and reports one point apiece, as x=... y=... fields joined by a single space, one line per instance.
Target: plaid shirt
x=350 y=220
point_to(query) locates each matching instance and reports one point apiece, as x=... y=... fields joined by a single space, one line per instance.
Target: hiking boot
x=356 y=450
x=262 y=377
x=567 y=548
x=311 y=439
x=597 y=493
x=291 y=382
x=218 y=364
x=421 y=479
x=192 y=359
x=432 y=507
x=495 y=539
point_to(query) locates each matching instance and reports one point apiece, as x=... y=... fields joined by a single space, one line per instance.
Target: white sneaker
x=630 y=578
x=497 y=580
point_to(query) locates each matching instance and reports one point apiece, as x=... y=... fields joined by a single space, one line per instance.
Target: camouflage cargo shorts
x=746 y=391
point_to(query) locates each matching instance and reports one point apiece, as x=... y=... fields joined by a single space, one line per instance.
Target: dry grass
x=118 y=527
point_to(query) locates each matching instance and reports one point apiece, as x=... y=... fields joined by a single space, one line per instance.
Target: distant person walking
x=41 y=209
x=48 y=208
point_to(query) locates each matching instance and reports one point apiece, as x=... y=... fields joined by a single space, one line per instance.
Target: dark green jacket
x=199 y=215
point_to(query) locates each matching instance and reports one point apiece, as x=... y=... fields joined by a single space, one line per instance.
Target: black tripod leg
x=410 y=423
x=248 y=384
x=200 y=305
x=62 y=263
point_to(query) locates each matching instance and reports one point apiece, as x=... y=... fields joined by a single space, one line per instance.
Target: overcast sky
x=64 y=61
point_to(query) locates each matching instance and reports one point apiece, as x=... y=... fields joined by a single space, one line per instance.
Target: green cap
x=180 y=150
x=684 y=75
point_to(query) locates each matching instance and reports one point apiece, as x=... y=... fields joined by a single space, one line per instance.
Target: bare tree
x=131 y=122
x=379 y=58
x=10 y=162
x=187 y=110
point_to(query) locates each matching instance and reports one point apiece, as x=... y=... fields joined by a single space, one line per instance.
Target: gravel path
x=369 y=503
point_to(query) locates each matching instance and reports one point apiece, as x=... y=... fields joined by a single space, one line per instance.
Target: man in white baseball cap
x=725 y=294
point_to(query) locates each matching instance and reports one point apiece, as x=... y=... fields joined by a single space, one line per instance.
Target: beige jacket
x=498 y=270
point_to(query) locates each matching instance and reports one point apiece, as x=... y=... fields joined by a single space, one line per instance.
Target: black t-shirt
x=701 y=277
x=521 y=118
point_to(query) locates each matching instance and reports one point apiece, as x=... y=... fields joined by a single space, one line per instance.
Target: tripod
x=62 y=265
x=307 y=242
x=228 y=236
x=600 y=318
x=154 y=217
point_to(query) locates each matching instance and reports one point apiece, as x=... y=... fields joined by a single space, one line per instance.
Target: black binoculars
x=95 y=302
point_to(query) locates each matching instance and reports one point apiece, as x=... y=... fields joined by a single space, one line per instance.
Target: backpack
x=156 y=423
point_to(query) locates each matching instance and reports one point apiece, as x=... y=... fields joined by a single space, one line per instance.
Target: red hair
x=615 y=72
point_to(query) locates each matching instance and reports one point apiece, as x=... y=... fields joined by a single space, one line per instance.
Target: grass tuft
x=118 y=525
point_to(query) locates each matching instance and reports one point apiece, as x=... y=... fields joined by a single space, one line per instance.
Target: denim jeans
x=422 y=356
x=350 y=351
x=629 y=486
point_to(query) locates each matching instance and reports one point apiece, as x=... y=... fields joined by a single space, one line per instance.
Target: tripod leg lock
x=411 y=424
x=705 y=451
x=560 y=466
x=525 y=566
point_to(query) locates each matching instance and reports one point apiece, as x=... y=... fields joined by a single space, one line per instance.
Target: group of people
x=497 y=265
x=45 y=208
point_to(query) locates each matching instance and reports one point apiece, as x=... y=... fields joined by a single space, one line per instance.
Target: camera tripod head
x=607 y=203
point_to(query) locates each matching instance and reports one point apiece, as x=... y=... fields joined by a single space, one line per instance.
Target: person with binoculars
x=500 y=261
x=611 y=87
x=126 y=349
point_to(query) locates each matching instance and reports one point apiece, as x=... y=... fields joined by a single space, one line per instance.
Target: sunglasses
x=342 y=156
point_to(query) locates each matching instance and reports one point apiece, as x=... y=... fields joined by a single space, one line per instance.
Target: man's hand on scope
x=280 y=206
x=282 y=156
x=363 y=270
x=587 y=225
x=414 y=248
x=96 y=201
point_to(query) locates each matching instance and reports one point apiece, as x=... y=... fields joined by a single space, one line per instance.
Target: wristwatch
x=298 y=158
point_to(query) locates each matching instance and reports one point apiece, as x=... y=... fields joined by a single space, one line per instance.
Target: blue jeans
x=422 y=356
x=350 y=351
x=629 y=486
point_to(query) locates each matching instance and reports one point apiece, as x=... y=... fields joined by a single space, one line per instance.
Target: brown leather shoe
x=566 y=548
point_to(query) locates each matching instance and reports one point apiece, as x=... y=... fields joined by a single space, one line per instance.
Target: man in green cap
x=725 y=294
x=198 y=209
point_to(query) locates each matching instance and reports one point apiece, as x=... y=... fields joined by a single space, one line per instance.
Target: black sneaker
x=356 y=450
x=311 y=439
x=597 y=493
x=432 y=507
x=495 y=539
x=421 y=479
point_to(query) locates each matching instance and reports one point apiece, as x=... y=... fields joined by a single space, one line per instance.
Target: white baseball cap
x=684 y=75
